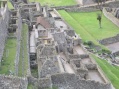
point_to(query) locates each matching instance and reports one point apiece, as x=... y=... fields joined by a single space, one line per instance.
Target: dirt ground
x=113 y=47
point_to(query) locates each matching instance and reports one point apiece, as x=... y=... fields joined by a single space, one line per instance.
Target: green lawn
x=55 y=2
x=90 y=23
x=34 y=72
x=10 y=6
x=110 y=71
x=77 y=27
x=30 y=86
x=9 y=57
x=23 y=61
x=86 y=24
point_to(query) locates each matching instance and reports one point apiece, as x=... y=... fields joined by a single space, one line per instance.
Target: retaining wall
x=83 y=9
x=110 y=40
x=71 y=81
x=3 y=30
x=64 y=7
x=111 y=17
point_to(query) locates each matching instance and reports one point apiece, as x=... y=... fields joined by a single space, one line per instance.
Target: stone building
x=56 y=51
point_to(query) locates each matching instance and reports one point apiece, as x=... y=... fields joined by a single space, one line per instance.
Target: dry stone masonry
x=57 y=58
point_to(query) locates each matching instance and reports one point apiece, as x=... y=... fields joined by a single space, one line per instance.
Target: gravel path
x=114 y=47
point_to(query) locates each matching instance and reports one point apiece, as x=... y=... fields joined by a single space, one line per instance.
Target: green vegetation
x=30 y=86
x=7 y=65
x=55 y=2
x=77 y=27
x=23 y=61
x=34 y=72
x=90 y=23
x=87 y=25
x=110 y=71
x=10 y=6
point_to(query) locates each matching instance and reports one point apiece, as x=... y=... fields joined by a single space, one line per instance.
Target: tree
x=99 y=18
x=100 y=6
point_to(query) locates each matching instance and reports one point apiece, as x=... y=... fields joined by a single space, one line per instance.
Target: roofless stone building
x=56 y=52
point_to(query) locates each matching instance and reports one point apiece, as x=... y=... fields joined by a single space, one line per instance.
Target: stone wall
x=4 y=19
x=111 y=17
x=112 y=4
x=83 y=9
x=48 y=68
x=110 y=40
x=92 y=8
x=42 y=83
x=10 y=82
x=64 y=7
x=116 y=53
x=72 y=81
x=45 y=83
x=91 y=66
x=18 y=33
x=76 y=56
x=92 y=85
x=82 y=72
x=32 y=80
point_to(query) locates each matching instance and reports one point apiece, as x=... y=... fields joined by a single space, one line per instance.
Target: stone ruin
x=72 y=81
x=55 y=51
x=11 y=82
x=67 y=81
x=48 y=68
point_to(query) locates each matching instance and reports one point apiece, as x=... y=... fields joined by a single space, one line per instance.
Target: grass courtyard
x=9 y=55
x=55 y=2
x=112 y=72
x=87 y=26
x=23 y=59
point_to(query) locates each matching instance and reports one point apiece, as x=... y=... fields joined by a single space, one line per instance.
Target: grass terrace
x=87 y=26
x=30 y=86
x=34 y=73
x=112 y=72
x=55 y=2
x=8 y=63
x=10 y=6
x=90 y=23
x=23 y=61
